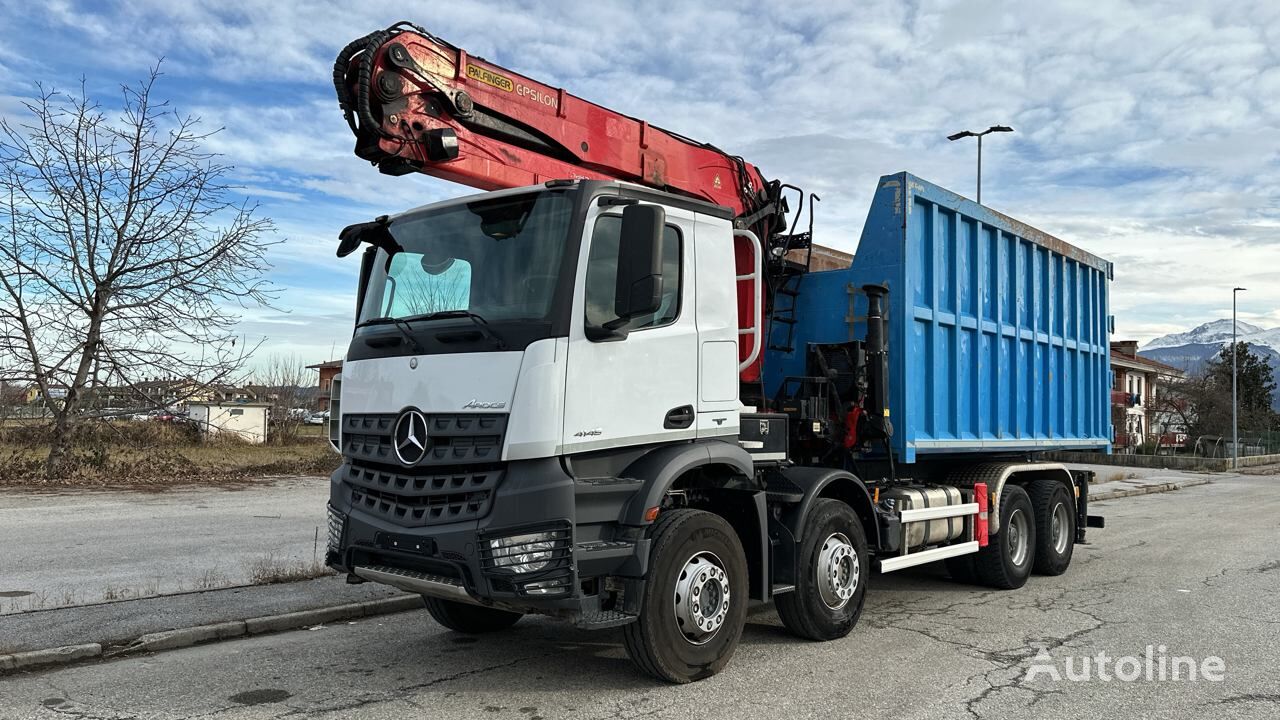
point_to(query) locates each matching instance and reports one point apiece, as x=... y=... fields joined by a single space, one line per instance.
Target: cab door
x=642 y=388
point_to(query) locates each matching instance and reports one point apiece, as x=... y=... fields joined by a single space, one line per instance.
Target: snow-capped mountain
x=1218 y=331
x=1189 y=350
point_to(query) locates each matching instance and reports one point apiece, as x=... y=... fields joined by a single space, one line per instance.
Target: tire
x=832 y=574
x=1006 y=561
x=668 y=640
x=962 y=569
x=469 y=619
x=1055 y=541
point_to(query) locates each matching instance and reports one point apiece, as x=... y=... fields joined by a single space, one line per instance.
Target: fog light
x=523 y=553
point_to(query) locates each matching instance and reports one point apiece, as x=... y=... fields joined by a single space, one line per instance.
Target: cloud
x=1145 y=132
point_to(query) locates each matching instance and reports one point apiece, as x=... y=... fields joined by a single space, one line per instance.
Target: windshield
x=497 y=258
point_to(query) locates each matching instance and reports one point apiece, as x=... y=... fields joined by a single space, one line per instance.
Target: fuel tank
x=928 y=532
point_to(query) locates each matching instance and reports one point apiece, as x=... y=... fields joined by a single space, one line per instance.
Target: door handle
x=679 y=418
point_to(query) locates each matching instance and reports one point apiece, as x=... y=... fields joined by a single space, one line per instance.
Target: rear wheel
x=832 y=573
x=1055 y=526
x=470 y=619
x=695 y=601
x=1006 y=561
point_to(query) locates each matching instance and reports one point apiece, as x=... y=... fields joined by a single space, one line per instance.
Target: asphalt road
x=1196 y=571
x=77 y=547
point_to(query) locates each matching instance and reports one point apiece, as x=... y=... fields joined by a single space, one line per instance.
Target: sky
x=1146 y=133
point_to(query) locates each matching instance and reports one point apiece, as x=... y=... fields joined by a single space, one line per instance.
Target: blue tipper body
x=998 y=333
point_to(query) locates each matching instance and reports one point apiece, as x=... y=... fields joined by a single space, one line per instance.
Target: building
x=145 y=394
x=172 y=393
x=328 y=370
x=1136 y=415
x=248 y=421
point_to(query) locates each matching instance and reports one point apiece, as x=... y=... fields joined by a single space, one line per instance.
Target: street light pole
x=970 y=133
x=1235 y=403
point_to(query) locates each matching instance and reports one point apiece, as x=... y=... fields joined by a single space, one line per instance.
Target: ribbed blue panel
x=998 y=332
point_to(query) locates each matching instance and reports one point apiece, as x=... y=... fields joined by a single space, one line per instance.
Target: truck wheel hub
x=1018 y=538
x=701 y=597
x=838 y=571
x=1058 y=529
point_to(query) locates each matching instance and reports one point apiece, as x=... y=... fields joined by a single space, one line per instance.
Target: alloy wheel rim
x=1018 y=537
x=838 y=571
x=701 y=597
x=1059 y=528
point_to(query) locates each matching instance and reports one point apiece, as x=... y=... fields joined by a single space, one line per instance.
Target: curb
x=1147 y=489
x=49 y=656
x=186 y=637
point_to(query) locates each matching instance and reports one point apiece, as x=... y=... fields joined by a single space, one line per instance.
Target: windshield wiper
x=481 y=324
x=400 y=324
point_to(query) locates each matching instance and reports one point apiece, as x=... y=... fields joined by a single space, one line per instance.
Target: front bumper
x=455 y=561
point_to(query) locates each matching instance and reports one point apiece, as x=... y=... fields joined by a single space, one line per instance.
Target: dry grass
x=150 y=588
x=154 y=456
x=270 y=569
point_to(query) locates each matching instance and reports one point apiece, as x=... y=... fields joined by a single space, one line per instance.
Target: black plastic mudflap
x=1083 y=518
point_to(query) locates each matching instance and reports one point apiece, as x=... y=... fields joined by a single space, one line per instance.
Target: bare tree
x=285 y=382
x=125 y=252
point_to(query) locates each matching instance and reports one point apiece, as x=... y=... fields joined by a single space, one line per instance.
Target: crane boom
x=419 y=104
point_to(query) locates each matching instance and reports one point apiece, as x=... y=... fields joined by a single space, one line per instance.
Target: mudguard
x=839 y=484
x=661 y=468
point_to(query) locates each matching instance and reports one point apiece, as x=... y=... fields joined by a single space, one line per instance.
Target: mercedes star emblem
x=411 y=437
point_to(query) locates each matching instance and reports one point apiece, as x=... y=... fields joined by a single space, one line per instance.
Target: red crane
x=419 y=104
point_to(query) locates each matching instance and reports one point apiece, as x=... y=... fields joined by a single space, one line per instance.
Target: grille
x=463 y=439
x=420 y=500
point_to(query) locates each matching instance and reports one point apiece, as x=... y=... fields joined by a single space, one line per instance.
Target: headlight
x=523 y=553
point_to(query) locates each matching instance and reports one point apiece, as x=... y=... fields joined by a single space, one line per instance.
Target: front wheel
x=833 y=571
x=695 y=602
x=470 y=619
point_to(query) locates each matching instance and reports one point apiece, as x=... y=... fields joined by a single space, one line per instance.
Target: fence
x=1186 y=452
x=25 y=413
x=1252 y=443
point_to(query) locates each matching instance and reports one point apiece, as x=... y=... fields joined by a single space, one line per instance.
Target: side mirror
x=348 y=241
x=639 y=283
x=375 y=233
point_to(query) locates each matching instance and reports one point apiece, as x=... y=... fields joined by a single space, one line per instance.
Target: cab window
x=602 y=275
